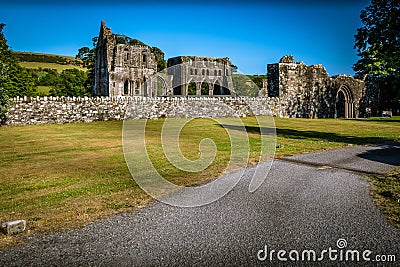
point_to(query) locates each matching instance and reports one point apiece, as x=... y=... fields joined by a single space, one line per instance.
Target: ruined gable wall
x=309 y=91
x=103 y=59
x=304 y=90
x=118 y=63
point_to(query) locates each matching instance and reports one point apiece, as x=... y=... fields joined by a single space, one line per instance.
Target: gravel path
x=308 y=202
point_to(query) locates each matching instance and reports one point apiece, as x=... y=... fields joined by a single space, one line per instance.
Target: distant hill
x=47 y=58
x=37 y=60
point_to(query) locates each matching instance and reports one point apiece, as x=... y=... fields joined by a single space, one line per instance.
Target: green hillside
x=45 y=65
x=38 y=60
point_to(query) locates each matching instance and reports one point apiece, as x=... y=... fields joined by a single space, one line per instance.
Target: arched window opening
x=192 y=88
x=205 y=90
x=217 y=89
x=126 y=87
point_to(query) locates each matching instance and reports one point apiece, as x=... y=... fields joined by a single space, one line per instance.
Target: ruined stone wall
x=121 y=69
x=215 y=72
x=44 y=110
x=306 y=90
x=309 y=92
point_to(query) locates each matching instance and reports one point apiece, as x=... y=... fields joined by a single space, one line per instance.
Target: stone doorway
x=344 y=103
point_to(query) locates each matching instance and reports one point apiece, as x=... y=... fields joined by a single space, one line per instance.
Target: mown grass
x=43 y=65
x=305 y=135
x=62 y=176
x=386 y=193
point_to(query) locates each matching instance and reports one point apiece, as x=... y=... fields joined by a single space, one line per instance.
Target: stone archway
x=344 y=103
x=161 y=86
x=192 y=87
x=217 y=88
x=205 y=88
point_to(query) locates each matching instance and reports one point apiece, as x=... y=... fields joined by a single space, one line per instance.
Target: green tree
x=378 y=40
x=5 y=58
x=19 y=82
x=14 y=80
x=71 y=83
x=159 y=54
x=378 y=46
x=88 y=56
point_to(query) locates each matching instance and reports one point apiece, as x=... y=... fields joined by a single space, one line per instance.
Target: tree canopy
x=378 y=40
x=5 y=57
x=378 y=46
x=14 y=80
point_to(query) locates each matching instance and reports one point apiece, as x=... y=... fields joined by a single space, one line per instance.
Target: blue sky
x=251 y=33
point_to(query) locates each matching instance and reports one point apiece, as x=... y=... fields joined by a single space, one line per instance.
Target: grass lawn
x=58 y=67
x=62 y=176
x=386 y=192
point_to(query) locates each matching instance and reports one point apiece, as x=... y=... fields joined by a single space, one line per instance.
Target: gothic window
x=126 y=87
x=195 y=71
x=208 y=72
x=191 y=71
x=144 y=58
x=220 y=73
x=203 y=72
x=215 y=72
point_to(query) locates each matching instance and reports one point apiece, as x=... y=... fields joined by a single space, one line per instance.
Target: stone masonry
x=309 y=92
x=43 y=110
x=194 y=75
x=123 y=69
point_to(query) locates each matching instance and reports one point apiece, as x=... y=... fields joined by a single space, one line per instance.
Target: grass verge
x=62 y=176
x=386 y=193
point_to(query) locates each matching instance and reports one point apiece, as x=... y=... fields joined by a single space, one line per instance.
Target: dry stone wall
x=44 y=110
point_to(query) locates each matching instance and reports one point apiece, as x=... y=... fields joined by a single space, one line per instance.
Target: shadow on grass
x=312 y=135
x=385 y=120
x=389 y=154
x=249 y=129
x=331 y=137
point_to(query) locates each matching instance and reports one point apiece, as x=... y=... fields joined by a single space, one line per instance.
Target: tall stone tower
x=121 y=68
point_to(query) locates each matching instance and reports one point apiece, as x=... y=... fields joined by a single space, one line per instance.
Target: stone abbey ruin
x=131 y=70
x=308 y=91
x=194 y=86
